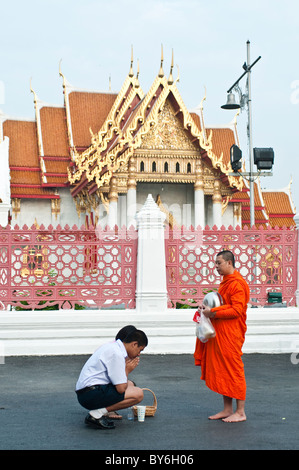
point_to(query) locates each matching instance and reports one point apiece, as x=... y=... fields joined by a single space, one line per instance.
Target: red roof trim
x=15 y=185
x=281 y=215
x=61 y=175
x=55 y=185
x=35 y=196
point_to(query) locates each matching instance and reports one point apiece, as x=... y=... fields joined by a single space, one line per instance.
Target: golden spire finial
x=131 y=73
x=170 y=79
x=137 y=75
x=61 y=74
x=32 y=91
x=161 y=73
x=178 y=78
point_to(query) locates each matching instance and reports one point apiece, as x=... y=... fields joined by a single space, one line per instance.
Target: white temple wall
x=39 y=210
x=177 y=198
x=32 y=210
x=228 y=216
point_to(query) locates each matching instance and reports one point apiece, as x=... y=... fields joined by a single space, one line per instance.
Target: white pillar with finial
x=151 y=289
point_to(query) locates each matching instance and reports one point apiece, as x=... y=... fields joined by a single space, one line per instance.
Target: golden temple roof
x=92 y=136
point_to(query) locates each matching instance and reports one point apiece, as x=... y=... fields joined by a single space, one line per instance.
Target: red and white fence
x=266 y=258
x=66 y=268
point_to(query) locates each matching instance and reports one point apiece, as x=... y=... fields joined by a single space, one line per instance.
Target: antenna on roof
x=110 y=82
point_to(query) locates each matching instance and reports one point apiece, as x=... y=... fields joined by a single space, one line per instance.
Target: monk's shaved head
x=227 y=255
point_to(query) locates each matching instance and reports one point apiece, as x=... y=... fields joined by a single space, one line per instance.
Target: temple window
x=189 y=167
x=141 y=166
x=154 y=167
x=165 y=167
x=177 y=167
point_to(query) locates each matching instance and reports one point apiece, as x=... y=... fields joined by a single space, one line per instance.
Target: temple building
x=95 y=159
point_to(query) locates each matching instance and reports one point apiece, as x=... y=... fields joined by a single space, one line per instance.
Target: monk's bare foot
x=235 y=418
x=221 y=415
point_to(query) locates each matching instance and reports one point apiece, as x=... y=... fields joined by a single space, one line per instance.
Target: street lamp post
x=231 y=104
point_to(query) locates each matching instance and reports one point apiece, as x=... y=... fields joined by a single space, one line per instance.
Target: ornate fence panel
x=267 y=259
x=67 y=267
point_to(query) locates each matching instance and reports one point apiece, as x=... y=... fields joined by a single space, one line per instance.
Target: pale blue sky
x=94 y=37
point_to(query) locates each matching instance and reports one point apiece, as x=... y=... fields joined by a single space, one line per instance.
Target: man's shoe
x=102 y=423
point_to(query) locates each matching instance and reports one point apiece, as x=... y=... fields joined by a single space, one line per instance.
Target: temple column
x=199 y=198
x=131 y=194
x=113 y=198
x=217 y=205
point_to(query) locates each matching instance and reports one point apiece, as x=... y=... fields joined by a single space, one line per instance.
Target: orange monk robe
x=220 y=358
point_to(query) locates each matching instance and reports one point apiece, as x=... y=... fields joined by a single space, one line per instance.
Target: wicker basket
x=150 y=410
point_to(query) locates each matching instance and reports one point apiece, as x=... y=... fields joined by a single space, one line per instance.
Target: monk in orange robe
x=221 y=357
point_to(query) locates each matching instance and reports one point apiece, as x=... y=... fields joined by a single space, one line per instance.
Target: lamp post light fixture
x=245 y=100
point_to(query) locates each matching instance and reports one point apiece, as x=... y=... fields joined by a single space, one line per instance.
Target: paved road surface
x=39 y=409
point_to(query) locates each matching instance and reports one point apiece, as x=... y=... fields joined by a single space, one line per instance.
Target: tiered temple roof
x=81 y=144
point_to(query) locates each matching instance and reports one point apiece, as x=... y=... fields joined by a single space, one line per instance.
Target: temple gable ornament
x=167 y=134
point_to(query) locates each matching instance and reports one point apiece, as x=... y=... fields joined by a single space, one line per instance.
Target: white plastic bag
x=204 y=328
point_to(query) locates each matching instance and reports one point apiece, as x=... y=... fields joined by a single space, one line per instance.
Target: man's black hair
x=137 y=335
x=123 y=332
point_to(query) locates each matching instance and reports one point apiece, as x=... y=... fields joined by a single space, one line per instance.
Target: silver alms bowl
x=212 y=300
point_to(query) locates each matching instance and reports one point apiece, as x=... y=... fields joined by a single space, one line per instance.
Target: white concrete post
x=113 y=198
x=131 y=207
x=199 y=209
x=5 y=205
x=199 y=197
x=151 y=289
x=112 y=216
x=296 y=219
x=217 y=205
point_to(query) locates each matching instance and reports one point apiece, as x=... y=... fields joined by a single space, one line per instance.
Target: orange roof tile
x=25 y=177
x=88 y=110
x=23 y=149
x=196 y=119
x=54 y=131
x=278 y=202
x=279 y=208
x=222 y=140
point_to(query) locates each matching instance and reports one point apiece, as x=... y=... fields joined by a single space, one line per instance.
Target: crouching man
x=103 y=384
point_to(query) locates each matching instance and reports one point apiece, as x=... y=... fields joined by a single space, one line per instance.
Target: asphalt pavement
x=39 y=408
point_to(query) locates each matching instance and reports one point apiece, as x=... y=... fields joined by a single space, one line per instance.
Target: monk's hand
x=207 y=312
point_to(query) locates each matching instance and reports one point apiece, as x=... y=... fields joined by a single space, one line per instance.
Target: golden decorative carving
x=55 y=207
x=113 y=195
x=152 y=126
x=16 y=206
x=225 y=202
x=131 y=182
x=169 y=217
x=217 y=198
x=199 y=183
x=167 y=133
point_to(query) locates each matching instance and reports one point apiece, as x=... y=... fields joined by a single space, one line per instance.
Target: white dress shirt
x=106 y=365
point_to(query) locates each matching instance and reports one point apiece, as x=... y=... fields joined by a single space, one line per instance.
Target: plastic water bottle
x=130 y=414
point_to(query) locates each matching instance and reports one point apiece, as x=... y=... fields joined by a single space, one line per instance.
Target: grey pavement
x=39 y=409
